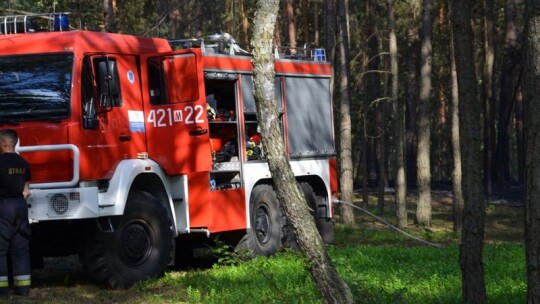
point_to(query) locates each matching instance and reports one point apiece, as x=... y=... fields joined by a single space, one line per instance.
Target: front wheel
x=138 y=248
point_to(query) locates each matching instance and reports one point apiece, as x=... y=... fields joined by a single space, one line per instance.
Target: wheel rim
x=262 y=225
x=135 y=243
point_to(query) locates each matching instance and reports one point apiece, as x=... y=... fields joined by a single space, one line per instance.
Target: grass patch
x=380 y=266
x=376 y=274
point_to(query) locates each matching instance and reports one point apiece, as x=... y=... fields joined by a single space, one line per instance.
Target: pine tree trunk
x=470 y=123
x=413 y=39
x=489 y=90
x=315 y=23
x=399 y=128
x=332 y=287
x=423 y=209
x=305 y=15
x=345 y=138
x=507 y=98
x=373 y=92
x=108 y=14
x=291 y=26
x=457 y=204
x=331 y=30
x=520 y=139
x=245 y=22
x=532 y=146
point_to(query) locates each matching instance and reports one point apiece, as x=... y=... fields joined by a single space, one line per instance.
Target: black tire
x=139 y=247
x=325 y=226
x=289 y=239
x=264 y=236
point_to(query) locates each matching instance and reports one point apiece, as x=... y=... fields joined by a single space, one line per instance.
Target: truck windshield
x=35 y=87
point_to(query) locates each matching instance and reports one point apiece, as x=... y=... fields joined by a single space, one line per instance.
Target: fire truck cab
x=140 y=148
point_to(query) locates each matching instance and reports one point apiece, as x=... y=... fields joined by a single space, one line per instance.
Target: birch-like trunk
x=332 y=287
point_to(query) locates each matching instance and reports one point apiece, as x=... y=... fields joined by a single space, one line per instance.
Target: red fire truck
x=141 y=148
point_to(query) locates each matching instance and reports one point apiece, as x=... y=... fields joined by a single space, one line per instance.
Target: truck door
x=175 y=112
x=109 y=92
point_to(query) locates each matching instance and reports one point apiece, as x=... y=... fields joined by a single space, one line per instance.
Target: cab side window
x=156 y=82
x=173 y=79
x=89 y=108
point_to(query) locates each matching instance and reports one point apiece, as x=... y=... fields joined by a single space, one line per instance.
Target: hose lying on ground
x=388 y=224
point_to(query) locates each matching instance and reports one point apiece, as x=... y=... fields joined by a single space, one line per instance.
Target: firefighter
x=14 y=225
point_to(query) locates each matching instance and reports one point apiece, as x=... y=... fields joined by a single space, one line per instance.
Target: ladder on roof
x=49 y=22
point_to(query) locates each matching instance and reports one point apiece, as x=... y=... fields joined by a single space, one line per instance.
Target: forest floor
x=504 y=219
x=63 y=277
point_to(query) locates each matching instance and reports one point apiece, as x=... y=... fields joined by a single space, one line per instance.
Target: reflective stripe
x=22 y=283
x=22 y=280
x=22 y=277
x=4 y=285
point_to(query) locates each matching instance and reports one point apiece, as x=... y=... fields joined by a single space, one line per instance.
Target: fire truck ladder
x=31 y=23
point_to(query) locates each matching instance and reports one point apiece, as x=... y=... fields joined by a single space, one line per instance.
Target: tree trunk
x=108 y=16
x=399 y=127
x=316 y=22
x=520 y=140
x=278 y=41
x=413 y=39
x=373 y=92
x=291 y=26
x=245 y=22
x=331 y=29
x=423 y=210
x=227 y=18
x=457 y=204
x=345 y=137
x=532 y=146
x=508 y=83
x=305 y=15
x=380 y=144
x=332 y=287
x=470 y=107
x=489 y=90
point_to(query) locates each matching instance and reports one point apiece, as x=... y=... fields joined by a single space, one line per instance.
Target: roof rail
x=223 y=43
x=219 y=43
x=309 y=52
x=31 y=23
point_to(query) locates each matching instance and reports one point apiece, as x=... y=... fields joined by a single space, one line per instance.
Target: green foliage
x=376 y=274
x=227 y=255
x=282 y=279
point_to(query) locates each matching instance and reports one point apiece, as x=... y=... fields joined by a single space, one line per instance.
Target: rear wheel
x=325 y=226
x=138 y=248
x=264 y=236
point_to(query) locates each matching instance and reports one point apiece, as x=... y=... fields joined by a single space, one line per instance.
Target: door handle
x=124 y=138
x=197 y=132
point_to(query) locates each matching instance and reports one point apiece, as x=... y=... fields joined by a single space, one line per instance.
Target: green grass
x=380 y=266
x=376 y=274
